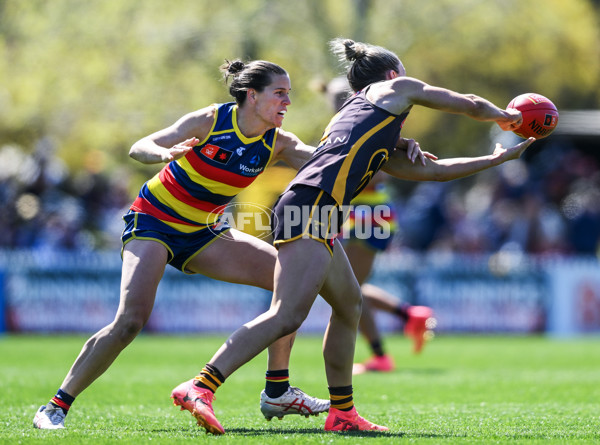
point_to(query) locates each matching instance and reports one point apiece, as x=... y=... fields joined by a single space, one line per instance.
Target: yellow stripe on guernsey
x=212 y=127
x=239 y=134
x=216 y=187
x=339 y=188
x=219 y=188
x=187 y=211
x=333 y=120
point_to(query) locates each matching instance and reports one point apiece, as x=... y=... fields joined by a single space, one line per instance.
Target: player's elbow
x=474 y=106
x=134 y=151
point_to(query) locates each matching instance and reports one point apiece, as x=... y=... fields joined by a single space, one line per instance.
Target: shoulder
x=395 y=95
x=285 y=140
x=203 y=114
x=199 y=121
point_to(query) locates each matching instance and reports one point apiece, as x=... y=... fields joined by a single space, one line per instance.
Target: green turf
x=460 y=390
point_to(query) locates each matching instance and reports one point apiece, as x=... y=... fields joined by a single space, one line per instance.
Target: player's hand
x=180 y=150
x=512 y=152
x=413 y=150
x=511 y=120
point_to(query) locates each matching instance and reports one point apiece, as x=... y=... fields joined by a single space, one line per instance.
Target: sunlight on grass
x=467 y=390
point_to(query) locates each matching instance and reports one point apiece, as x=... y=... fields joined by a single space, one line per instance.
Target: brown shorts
x=306 y=212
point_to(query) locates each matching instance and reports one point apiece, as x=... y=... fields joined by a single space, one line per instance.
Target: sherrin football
x=540 y=115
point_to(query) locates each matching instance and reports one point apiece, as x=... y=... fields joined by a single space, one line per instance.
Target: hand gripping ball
x=540 y=115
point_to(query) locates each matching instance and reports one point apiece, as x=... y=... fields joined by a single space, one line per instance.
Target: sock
x=341 y=397
x=210 y=378
x=377 y=348
x=277 y=383
x=62 y=400
x=402 y=311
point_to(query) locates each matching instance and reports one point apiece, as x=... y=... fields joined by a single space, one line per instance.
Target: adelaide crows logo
x=216 y=153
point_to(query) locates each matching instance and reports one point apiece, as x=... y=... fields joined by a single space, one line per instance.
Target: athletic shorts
x=182 y=247
x=306 y=212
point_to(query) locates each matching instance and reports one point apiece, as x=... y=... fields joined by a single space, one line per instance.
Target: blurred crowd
x=45 y=207
x=546 y=204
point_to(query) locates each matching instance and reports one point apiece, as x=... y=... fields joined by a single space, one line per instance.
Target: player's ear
x=251 y=94
x=391 y=74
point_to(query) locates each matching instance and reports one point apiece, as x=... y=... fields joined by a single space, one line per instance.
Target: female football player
x=362 y=138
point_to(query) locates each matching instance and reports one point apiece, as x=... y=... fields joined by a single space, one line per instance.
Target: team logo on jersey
x=255 y=160
x=217 y=154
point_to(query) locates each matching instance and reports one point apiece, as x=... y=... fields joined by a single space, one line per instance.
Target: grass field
x=460 y=390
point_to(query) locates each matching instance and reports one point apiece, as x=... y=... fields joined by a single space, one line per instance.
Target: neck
x=249 y=124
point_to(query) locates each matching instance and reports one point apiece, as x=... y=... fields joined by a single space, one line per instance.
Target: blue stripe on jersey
x=145 y=193
x=195 y=189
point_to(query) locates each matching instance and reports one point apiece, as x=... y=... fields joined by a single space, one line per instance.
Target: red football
x=540 y=115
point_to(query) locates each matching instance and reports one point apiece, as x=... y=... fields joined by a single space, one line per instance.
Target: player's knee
x=290 y=322
x=352 y=307
x=127 y=328
x=354 y=311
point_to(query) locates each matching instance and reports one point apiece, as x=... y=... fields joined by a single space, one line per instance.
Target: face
x=271 y=103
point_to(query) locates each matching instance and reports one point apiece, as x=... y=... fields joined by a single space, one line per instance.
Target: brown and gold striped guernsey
x=355 y=145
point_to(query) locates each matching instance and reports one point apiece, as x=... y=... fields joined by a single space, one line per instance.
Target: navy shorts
x=306 y=212
x=182 y=247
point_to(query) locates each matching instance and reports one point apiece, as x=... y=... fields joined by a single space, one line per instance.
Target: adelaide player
x=211 y=155
x=362 y=138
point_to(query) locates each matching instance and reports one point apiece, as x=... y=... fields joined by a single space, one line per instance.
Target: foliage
x=93 y=77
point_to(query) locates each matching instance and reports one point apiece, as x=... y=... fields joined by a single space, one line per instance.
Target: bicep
x=421 y=93
x=292 y=150
x=196 y=124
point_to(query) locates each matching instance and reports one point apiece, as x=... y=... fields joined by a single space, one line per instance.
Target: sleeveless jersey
x=190 y=193
x=355 y=144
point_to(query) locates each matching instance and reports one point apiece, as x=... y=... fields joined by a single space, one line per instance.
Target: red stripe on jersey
x=175 y=189
x=144 y=206
x=217 y=174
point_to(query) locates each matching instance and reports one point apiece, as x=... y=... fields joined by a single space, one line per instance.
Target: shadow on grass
x=287 y=431
x=406 y=372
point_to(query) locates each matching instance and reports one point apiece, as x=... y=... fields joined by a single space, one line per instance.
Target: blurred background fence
x=500 y=293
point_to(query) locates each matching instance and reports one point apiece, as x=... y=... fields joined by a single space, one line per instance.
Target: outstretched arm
x=292 y=150
x=452 y=168
x=400 y=93
x=176 y=141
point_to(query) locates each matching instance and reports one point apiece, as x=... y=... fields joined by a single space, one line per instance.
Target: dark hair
x=256 y=75
x=366 y=63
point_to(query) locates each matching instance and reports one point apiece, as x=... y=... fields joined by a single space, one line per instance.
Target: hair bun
x=235 y=67
x=353 y=50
